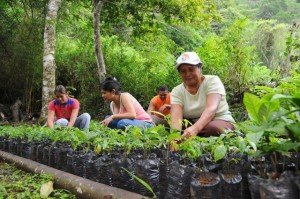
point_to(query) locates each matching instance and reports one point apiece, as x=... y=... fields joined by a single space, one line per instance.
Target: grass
x=15 y=183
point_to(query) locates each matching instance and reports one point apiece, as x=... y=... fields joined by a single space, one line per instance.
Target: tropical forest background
x=252 y=45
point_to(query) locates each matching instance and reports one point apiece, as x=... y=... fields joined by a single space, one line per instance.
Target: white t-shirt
x=194 y=105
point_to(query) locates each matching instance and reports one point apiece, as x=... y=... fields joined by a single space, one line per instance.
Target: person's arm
x=130 y=114
x=163 y=107
x=150 y=108
x=73 y=117
x=176 y=116
x=212 y=103
x=50 y=118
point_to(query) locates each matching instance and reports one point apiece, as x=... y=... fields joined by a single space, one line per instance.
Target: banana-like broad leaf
x=254 y=137
x=294 y=130
x=252 y=104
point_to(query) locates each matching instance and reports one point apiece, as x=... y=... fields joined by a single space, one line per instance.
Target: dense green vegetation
x=273 y=125
x=15 y=183
x=271 y=133
x=246 y=43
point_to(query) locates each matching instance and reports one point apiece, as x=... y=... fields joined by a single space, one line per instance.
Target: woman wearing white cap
x=201 y=99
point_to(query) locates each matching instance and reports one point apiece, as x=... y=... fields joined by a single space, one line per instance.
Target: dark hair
x=110 y=84
x=197 y=65
x=60 y=89
x=162 y=88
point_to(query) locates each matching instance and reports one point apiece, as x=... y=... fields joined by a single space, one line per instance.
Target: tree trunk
x=16 y=111
x=98 y=4
x=83 y=188
x=49 y=65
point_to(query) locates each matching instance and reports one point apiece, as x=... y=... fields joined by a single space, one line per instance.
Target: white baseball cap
x=188 y=58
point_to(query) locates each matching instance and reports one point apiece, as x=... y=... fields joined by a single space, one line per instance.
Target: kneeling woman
x=125 y=109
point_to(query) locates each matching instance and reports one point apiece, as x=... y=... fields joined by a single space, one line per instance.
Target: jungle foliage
x=246 y=43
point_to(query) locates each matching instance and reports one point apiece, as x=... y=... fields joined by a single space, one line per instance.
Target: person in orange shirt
x=161 y=104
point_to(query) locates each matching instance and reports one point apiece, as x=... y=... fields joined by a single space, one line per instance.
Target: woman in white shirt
x=201 y=99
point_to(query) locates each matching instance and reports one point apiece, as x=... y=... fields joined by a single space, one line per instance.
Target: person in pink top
x=63 y=111
x=125 y=109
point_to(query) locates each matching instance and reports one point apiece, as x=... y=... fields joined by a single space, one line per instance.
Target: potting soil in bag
x=148 y=170
x=208 y=164
x=239 y=163
x=206 y=185
x=179 y=179
x=283 y=188
x=231 y=184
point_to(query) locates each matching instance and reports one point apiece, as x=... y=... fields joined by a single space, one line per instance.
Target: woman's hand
x=190 y=131
x=106 y=121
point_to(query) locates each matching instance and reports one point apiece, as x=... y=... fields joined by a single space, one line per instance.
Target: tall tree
x=49 y=65
x=98 y=4
x=140 y=17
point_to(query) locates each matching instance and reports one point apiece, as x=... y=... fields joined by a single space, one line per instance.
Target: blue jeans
x=123 y=123
x=81 y=122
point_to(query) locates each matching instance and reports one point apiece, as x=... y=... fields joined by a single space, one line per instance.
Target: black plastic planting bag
x=13 y=146
x=164 y=170
x=39 y=152
x=208 y=164
x=46 y=155
x=179 y=178
x=239 y=163
x=69 y=161
x=205 y=185
x=105 y=164
x=148 y=170
x=120 y=177
x=78 y=162
x=60 y=157
x=231 y=184
x=26 y=149
x=296 y=181
x=283 y=188
x=55 y=155
x=2 y=143
x=6 y=145
x=91 y=168
x=254 y=184
x=34 y=146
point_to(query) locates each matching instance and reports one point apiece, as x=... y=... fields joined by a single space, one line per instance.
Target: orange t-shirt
x=157 y=103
